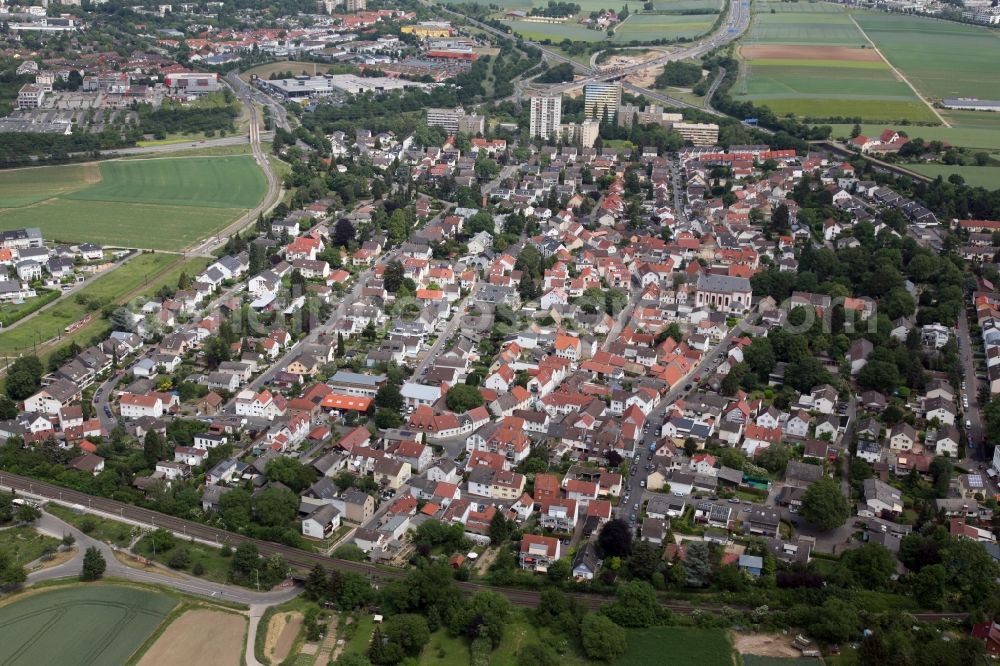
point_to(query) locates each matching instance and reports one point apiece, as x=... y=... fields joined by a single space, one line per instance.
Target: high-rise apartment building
x=546 y=115
x=601 y=99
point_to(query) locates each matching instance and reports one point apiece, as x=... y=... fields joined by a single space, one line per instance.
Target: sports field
x=811 y=61
x=163 y=203
x=93 y=625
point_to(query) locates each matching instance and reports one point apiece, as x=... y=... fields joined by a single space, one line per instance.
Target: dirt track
x=831 y=53
x=765 y=645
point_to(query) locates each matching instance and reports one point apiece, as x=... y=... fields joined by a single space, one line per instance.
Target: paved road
x=53 y=526
x=458 y=314
x=183 y=145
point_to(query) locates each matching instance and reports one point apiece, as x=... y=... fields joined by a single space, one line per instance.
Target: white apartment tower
x=600 y=99
x=546 y=115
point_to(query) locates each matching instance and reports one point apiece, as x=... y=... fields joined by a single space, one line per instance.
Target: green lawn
x=102 y=529
x=12 y=312
x=988 y=177
x=24 y=544
x=677 y=646
x=141 y=275
x=166 y=203
x=207 y=151
x=92 y=624
x=215 y=567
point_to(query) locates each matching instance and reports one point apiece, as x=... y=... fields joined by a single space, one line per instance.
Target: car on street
x=687 y=387
x=636 y=506
x=642 y=484
x=107 y=411
x=633 y=470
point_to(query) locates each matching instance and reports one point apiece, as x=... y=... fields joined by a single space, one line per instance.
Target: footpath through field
x=899 y=73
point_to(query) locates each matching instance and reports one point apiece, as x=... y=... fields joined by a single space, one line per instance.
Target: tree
x=27 y=514
x=481 y=221
x=409 y=632
x=24 y=378
x=615 y=538
x=636 y=605
x=971 y=572
x=392 y=277
x=275 y=507
x=602 y=639
x=643 y=561
x=698 y=564
x=11 y=572
x=824 y=505
x=537 y=654
x=871 y=566
x=387 y=418
x=929 y=586
x=236 y=509
x=316 y=583
x=8 y=408
x=343 y=233
x=484 y=615
x=389 y=397
x=153 y=447
x=559 y=571
x=93 y=564
x=500 y=528
x=462 y=397
x=290 y=472
x=246 y=558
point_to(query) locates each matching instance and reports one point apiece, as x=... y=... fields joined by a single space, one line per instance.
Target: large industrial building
x=305 y=87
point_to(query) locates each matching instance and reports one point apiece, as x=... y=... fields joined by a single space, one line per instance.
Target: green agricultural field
x=99 y=625
x=677 y=646
x=211 y=182
x=160 y=204
x=967 y=137
x=873 y=110
x=649 y=27
x=556 y=32
x=988 y=177
x=686 y=5
x=802 y=23
x=941 y=58
x=825 y=79
x=20 y=187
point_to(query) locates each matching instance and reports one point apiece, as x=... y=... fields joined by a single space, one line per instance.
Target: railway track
x=304 y=560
